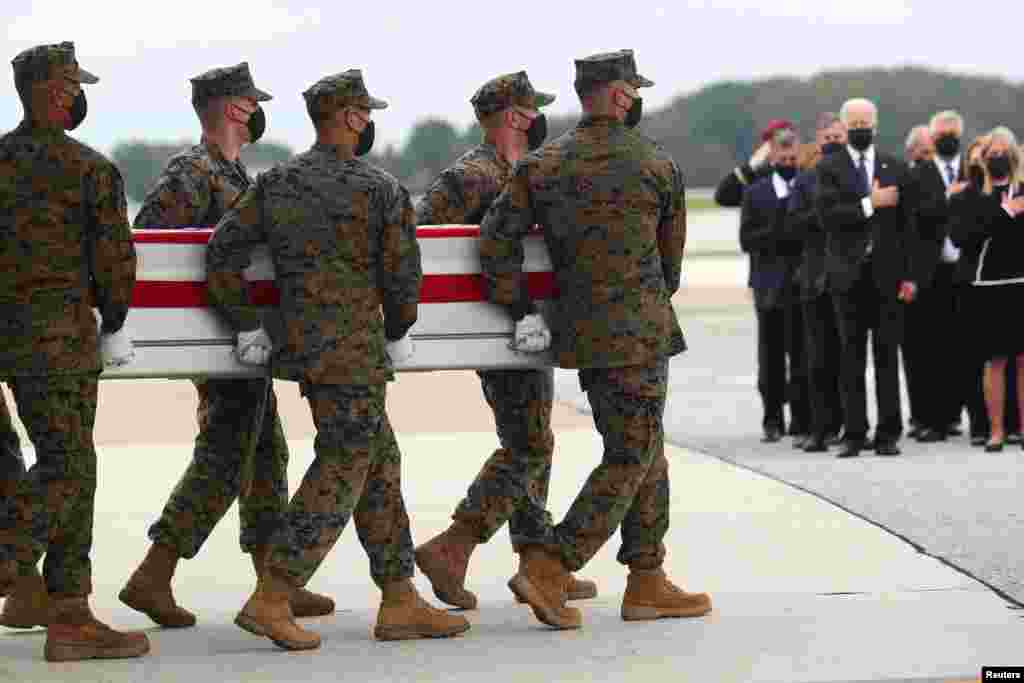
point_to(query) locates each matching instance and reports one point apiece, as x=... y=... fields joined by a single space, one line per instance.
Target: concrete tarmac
x=803 y=591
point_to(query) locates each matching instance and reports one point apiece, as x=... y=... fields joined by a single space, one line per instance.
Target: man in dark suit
x=821 y=333
x=867 y=201
x=943 y=378
x=774 y=256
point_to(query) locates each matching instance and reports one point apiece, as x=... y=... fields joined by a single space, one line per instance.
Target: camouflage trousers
x=51 y=512
x=630 y=487
x=357 y=471
x=513 y=484
x=212 y=481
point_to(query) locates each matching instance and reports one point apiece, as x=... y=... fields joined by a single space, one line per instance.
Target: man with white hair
x=867 y=201
x=944 y=380
x=919 y=146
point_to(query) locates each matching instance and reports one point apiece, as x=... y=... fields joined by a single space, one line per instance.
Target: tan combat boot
x=305 y=603
x=149 y=589
x=444 y=560
x=74 y=634
x=577 y=589
x=404 y=615
x=268 y=613
x=650 y=595
x=541 y=583
x=28 y=605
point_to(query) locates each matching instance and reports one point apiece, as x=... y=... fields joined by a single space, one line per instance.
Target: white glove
x=116 y=349
x=254 y=347
x=760 y=156
x=400 y=350
x=532 y=334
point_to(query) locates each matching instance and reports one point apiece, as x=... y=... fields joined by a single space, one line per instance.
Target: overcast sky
x=427 y=58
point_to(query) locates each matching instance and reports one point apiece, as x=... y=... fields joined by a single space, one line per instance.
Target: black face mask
x=786 y=172
x=831 y=148
x=365 y=140
x=999 y=166
x=861 y=138
x=947 y=146
x=976 y=174
x=537 y=132
x=635 y=113
x=257 y=124
x=79 y=108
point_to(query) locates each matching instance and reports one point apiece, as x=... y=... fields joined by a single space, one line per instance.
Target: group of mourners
x=921 y=254
x=342 y=237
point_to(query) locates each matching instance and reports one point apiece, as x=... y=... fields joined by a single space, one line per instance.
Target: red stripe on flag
x=202 y=235
x=436 y=289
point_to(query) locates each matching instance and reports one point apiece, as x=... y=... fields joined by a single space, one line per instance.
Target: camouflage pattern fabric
x=513 y=484
x=52 y=512
x=506 y=91
x=630 y=487
x=342 y=236
x=611 y=206
x=357 y=470
x=211 y=482
x=337 y=91
x=65 y=246
x=607 y=67
x=227 y=81
x=196 y=188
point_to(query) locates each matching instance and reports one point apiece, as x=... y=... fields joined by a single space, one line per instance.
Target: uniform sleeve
x=501 y=245
x=446 y=202
x=228 y=254
x=110 y=250
x=180 y=198
x=400 y=271
x=672 y=231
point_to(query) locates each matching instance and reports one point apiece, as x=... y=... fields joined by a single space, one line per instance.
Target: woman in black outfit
x=988 y=224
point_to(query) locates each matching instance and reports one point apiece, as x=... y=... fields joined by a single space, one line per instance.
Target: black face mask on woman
x=999 y=166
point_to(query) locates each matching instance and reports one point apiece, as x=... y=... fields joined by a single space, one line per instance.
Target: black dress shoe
x=816 y=444
x=869 y=443
x=886 y=448
x=799 y=440
x=835 y=438
x=915 y=431
x=931 y=436
x=994 y=447
x=954 y=430
x=979 y=439
x=1013 y=438
x=772 y=433
x=851 y=448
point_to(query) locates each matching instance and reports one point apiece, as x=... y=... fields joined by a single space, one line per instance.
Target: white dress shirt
x=950 y=254
x=869 y=166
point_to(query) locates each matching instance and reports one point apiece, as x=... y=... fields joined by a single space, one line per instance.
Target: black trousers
x=782 y=367
x=861 y=310
x=821 y=336
x=938 y=369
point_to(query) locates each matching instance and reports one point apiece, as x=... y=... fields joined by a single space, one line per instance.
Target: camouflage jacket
x=65 y=246
x=342 y=237
x=611 y=205
x=195 y=189
x=464 y=191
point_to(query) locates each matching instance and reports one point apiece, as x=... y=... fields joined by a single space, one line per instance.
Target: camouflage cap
x=227 y=81
x=345 y=89
x=607 y=67
x=44 y=62
x=508 y=90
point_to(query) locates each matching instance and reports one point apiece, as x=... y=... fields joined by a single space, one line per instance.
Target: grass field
x=700 y=203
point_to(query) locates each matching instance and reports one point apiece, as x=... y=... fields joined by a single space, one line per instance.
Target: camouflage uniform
x=342 y=237
x=513 y=484
x=196 y=189
x=65 y=246
x=610 y=203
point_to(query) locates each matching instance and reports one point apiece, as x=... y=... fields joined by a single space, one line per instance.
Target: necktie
x=862 y=170
x=949 y=173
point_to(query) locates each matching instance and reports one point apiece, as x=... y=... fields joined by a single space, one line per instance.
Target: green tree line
x=708 y=131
